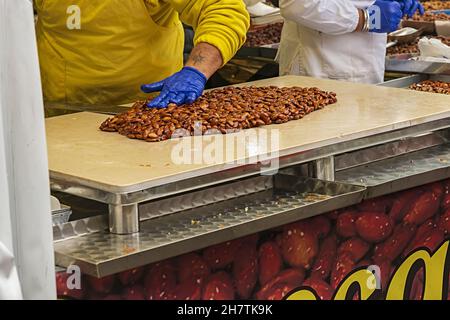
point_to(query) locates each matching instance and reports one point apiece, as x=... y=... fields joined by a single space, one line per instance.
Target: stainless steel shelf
x=401 y=172
x=405 y=82
x=288 y=199
x=408 y=63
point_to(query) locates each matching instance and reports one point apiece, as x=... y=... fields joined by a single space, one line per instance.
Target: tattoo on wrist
x=197 y=58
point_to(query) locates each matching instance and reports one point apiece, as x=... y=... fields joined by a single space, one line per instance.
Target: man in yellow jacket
x=102 y=51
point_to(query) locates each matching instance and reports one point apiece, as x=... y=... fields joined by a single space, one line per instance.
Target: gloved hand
x=182 y=87
x=384 y=16
x=409 y=7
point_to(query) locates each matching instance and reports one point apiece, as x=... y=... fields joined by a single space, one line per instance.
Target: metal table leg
x=123 y=219
x=324 y=168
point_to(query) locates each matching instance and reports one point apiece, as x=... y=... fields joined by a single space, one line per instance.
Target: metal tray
x=207 y=196
x=400 y=172
x=266 y=51
x=62 y=215
x=427 y=26
x=286 y=199
x=407 y=63
x=405 y=82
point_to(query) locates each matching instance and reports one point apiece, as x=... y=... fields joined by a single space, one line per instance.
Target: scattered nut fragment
x=223 y=110
x=269 y=34
x=432 y=86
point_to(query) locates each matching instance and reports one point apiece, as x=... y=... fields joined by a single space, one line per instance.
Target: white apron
x=334 y=52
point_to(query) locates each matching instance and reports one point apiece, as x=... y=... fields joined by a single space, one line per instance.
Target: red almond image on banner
x=343 y=265
x=290 y=277
x=324 y=261
x=102 y=285
x=219 y=286
x=393 y=246
x=444 y=222
x=374 y=226
x=160 y=281
x=429 y=240
x=320 y=287
x=135 y=292
x=356 y=247
x=423 y=208
x=299 y=245
x=446 y=201
x=221 y=255
x=422 y=231
x=192 y=266
x=320 y=225
x=270 y=261
x=345 y=224
x=381 y=204
x=279 y=291
x=187 y=290
x=437 y=189
x=402 y=203
x=245 y=270
x=131 y=276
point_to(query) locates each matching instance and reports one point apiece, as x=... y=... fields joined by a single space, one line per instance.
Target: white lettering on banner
x=74 y=19
x=374 y=282
x=74 y=280
x=248 y=147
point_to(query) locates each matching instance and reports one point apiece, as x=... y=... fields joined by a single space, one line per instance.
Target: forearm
x=361 y=21
x=206 y=58
x=221 y=23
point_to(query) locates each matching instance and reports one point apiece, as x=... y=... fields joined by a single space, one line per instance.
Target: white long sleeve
x=328 y=16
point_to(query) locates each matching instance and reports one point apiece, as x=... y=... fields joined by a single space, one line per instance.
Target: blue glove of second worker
x=182 y=87
x=409 y=7
x=384 y=16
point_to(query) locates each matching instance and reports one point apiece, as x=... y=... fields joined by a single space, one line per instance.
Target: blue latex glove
x=182 y=87
x=409 y=7
x=384 y=16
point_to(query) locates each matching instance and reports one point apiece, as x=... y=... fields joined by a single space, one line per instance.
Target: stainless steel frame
x=124 y=224
x=390 y=150
x=399 y=173
x=397 y=165
x=407 y=63
x=286 y=199
x=405 y=82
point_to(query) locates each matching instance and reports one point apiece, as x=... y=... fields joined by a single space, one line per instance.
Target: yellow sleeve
x=221 y=23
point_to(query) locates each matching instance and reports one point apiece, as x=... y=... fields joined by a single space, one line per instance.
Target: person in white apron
x=339 y=39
